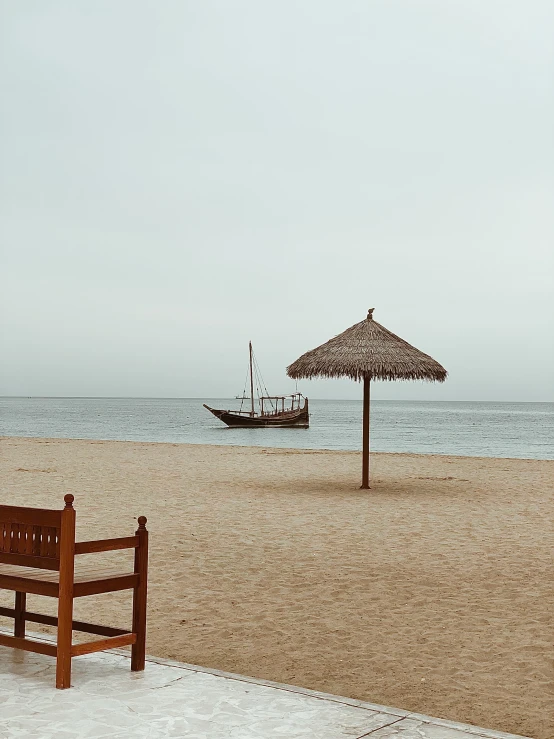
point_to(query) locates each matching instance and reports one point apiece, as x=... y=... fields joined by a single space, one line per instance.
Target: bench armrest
x=106 y=545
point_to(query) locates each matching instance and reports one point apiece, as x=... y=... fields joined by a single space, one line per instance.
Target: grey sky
x=180 y=177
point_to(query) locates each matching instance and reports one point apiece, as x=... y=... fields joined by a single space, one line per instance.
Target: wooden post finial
x=69 y=500
x=142 y=523
x=370 y=314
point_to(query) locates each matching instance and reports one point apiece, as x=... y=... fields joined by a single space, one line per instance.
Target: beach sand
x=433 y=592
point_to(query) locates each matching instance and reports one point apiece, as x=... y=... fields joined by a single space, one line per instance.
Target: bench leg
x=19 y=626
x=140 y=593
x=138 y=650
x=65 y=638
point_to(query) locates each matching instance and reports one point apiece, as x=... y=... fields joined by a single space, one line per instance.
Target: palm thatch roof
x=367 y=349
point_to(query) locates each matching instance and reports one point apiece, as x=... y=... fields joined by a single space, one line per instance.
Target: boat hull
x=289 y=419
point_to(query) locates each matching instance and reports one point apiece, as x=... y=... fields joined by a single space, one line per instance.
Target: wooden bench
x=37 y=555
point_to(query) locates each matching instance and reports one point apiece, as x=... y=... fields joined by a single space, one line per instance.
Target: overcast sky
x=180 y=177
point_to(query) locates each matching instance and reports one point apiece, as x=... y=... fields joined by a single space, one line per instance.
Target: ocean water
x=520 y=430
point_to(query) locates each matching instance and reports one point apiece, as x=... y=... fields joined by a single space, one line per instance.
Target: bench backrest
x=30 y=537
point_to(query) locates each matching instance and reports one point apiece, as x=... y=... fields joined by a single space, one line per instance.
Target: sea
x=475 y=429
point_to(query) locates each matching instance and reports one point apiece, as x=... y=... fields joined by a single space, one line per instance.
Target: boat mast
x=251 y=379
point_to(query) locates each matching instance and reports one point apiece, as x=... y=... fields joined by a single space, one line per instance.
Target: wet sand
x=434 y=591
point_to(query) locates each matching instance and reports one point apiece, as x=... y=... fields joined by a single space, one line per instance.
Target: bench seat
x=88 y=580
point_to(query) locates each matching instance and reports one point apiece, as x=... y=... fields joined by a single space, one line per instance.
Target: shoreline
x=218 y=397
x=290 y=450
x=431 y=592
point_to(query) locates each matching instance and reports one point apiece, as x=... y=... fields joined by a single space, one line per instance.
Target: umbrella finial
x=370 y=314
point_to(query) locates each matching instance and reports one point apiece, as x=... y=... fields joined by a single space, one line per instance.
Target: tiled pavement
x=171 y=699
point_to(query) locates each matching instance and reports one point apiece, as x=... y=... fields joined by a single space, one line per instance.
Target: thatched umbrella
x=367 y=351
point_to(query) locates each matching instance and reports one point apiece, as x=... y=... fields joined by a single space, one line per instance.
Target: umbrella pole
x=365 y=437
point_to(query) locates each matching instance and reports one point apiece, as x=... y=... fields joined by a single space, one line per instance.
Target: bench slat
x=29 y=645
x=39 y=545
x=83 y=574
x=30 y=516
x=26 y=560
x=106 y=545
x=105 y=585
x=86 y=628
x=24 y=585
x=88 y=580
x=124 y=640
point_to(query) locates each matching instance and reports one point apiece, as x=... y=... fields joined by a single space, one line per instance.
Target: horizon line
x=223 y=397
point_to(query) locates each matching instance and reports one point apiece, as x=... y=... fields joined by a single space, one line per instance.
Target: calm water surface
x=523 y=430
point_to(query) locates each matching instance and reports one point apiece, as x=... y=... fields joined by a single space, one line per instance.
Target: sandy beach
x=434 y=591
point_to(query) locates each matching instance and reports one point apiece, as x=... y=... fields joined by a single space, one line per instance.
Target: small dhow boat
x=274 y=410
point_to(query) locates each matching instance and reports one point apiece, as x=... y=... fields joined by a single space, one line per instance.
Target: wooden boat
x=285 y=411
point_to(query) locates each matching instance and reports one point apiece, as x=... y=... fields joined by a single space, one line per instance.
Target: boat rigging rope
x=260 y=381
x=259 y=385
x=243 y=397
